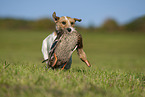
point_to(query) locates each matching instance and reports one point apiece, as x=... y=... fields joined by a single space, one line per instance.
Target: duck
x=63 y=47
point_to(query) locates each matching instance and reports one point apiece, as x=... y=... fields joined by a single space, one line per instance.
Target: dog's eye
x=72 y=23
x=63 y=23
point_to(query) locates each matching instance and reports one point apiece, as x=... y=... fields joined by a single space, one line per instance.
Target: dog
x=62 y=23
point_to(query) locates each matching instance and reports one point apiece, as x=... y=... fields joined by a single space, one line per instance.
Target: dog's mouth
x=67 y=30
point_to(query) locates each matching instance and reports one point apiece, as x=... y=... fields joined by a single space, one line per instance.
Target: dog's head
x=65 y=23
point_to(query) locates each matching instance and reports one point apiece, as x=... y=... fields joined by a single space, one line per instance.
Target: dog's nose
x=69 y=29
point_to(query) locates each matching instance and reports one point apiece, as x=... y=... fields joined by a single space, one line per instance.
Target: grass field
x=118 y=67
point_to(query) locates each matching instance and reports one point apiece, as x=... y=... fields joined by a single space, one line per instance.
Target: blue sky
x=90 y=11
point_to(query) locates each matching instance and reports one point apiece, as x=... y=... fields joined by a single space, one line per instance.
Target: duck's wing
x=53 y=47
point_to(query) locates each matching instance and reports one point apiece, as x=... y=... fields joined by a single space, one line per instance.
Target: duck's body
x=64 y=48
x=64 y=45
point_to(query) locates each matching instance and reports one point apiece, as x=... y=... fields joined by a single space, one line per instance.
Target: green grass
x=118 y=67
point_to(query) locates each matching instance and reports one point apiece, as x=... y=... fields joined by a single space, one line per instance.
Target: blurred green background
x=109 y=46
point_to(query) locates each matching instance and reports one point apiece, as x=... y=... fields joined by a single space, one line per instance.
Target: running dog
x=63 y=24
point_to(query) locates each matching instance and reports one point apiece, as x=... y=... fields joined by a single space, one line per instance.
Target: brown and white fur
x=63 y=23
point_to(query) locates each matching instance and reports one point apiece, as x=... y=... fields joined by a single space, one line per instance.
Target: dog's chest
x=66 y=46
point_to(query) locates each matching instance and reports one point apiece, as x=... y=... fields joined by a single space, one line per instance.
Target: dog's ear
x=55 y=18
x=79 y=20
